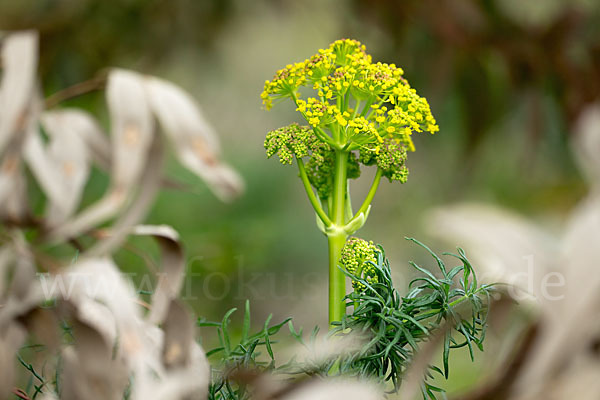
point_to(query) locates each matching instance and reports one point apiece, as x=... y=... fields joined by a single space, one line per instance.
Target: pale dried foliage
x=560 y=359
x=120 y=346
x=336 y=389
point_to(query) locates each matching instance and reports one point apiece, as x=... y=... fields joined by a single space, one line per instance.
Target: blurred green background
x=506 y=80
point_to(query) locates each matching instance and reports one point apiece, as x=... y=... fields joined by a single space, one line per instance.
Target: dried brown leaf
x=42 y=324
x=23 y=292
x=132 y=126
x=98 y=280
x=570 y=327
x=13 y=185
x=132 y=134
x=503 y=245
x=89 y=369
x=178 y=330
x=193 y=137
x=336 y=389
x=586 y=143
x=149 y=186
x=19 y=63
x=170 y=278
x=414 y=375
x=12 y=336
x=84 y=125
x=7 y=258
x=325 y=348
x=61 y=167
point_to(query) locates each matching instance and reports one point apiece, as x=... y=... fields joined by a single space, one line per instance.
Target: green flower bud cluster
x=358 y=257
x=294 y=141
x=390 y=157
x=300 y=141
x=320 y=172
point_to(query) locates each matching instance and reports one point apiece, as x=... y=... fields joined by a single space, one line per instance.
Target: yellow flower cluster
x=321 y=113
x=377 y=79
x=285 y=83
x=317 y=112
x=319 y=70
x=361 y=101
x=361 y=129
x=357 y=106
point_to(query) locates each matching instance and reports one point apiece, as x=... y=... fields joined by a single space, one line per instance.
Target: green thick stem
x=365 y=205
x=337 y=280
x=311 y=195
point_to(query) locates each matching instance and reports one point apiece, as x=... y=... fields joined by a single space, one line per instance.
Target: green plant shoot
x=358 y=112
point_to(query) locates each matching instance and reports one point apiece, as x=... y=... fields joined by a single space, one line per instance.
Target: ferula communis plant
x=358 y=112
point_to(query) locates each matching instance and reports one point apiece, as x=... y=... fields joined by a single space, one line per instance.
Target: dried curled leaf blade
x=88 y=128
x=132 y=138
x=173 y=267
x=504 y=245
x=89 y=371
x=72 y=136
x=25 y=271
x=19 y=63
x=17 y=89
x=7 y=258
x=574 y=304
x=193 y=137
x=328 y=389
x=100 y=289
x=104 y=209
x=180 y=115
x=179 y=336
x=61 y=167
x=12 y=337
x=43 y=167
x=96 y=279
x=143 y=200
x=132 y=126
x=13 y=189
x=75 y=140
x=13 y=185
x=579 y=251
x=586 y=143
x=414 y=379
x=164 y=232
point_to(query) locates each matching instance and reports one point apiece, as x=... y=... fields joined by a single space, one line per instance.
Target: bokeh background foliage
x=506 y=79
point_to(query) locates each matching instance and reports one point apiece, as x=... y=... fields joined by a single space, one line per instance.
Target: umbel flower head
x=351 y=104
x=359 y=258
